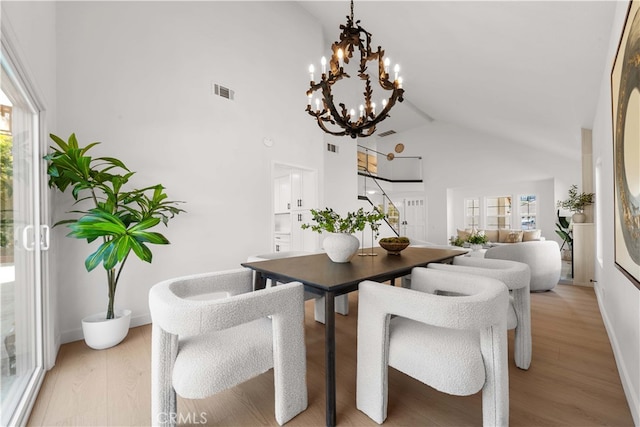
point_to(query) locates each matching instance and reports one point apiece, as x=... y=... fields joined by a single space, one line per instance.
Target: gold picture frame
x=625 y=103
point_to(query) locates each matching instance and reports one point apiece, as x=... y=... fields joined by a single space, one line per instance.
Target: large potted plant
x=576 y=203
x=340 y=244
x=118 y=220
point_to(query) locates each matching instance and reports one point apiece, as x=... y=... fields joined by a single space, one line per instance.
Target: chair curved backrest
x=543 y=257
x=210 y=332
x=516 y=277
x=456 y=344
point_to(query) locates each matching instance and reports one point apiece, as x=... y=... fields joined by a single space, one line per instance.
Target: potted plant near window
x=476 y=241
x=576 y=203
x=340 y=244
x=120 y=221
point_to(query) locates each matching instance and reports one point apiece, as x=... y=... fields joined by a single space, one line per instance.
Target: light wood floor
x=573 y=380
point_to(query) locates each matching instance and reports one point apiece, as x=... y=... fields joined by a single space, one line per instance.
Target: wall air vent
x=222 y=91
x=332 y=148
x=387 y=133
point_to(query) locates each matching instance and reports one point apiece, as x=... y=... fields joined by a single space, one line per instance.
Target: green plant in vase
x=121 y=220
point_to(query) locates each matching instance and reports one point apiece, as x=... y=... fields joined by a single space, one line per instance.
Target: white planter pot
x=341 y=247
x=579 y=217
x=100 y=333
x=476 y=247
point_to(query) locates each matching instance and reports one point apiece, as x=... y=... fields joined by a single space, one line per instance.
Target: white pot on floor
x=341 y=247
x=100 y=332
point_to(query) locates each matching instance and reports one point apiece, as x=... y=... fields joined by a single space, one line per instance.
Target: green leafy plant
x=563 y=230
x=576 y=201
x=328 y=220
x=477 y=239
x=120 y=219
x=456 y=241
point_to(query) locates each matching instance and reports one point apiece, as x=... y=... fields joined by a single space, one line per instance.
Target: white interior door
x=414 y=219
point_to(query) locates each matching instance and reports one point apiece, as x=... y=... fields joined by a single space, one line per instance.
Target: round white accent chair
x=211 y=332
x=543 y=257
x=516 y=276
x=448 y=331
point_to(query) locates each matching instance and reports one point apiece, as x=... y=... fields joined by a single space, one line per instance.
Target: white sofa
x=543 y=257
x=505 y=236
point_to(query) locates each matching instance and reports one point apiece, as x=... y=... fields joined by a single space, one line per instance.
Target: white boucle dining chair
x=341 y=301
x=516 y=276
x=448 y=331
x=211 y=332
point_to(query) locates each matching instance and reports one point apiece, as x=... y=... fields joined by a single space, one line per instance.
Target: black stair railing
x=395 y=227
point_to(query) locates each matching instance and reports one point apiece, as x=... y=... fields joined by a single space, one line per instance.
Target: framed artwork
x=625 y=93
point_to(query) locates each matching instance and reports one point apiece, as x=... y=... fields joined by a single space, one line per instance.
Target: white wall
x=459 y=158
x=28 y=28
x=618 y=298
x=138 y=76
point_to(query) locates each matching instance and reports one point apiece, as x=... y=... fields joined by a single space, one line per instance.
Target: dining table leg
x=330 y=356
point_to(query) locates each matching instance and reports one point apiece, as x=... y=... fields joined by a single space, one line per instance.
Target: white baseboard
x=632 y=397
x=76 y=334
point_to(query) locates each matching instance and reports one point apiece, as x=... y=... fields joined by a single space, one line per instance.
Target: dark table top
x=318 y=271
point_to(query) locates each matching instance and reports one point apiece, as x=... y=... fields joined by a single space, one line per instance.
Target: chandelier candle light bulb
x=396 y=70
x=387 y=63
x=311 y=70
x=340 y=58
x=323 y=61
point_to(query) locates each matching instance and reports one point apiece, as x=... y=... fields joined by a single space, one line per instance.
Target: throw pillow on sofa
x=509 y=236
x=531 y=235
x=492 y=235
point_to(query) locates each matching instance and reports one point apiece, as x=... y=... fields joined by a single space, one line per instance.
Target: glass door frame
x=43 y=330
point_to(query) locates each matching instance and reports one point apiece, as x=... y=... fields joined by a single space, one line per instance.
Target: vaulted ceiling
x=528 y=72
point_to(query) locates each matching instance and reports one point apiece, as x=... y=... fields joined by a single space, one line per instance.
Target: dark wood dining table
x=324 y=277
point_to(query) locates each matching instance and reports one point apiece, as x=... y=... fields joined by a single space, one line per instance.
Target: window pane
x=528 y=207
x=498 y=212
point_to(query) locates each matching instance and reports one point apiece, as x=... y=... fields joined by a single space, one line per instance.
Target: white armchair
x=341 y=301
x=543 y=257
x=516 y=276
x=455 y=344
x=211 y=332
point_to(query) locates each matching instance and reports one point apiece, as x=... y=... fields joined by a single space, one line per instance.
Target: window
x=528 y=208
x=498 y=212
x=471 y=213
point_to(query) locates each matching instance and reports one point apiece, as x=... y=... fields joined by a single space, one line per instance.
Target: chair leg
x=522 y=339
x=164 y=348
x=372 y=389
x=341 y=307
x=495 y=393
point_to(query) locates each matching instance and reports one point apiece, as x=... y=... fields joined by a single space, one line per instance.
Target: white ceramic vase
x=579 y=217
x=100 y=333
x=341 y=247
x=476 y=247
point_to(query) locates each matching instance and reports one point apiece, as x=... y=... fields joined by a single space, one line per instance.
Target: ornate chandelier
x=363 y=123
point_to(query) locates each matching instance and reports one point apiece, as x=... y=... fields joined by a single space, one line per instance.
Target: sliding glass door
x=21 y=240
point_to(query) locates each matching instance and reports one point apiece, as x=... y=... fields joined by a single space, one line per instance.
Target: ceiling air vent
x=222 y=91
x=387 y=133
